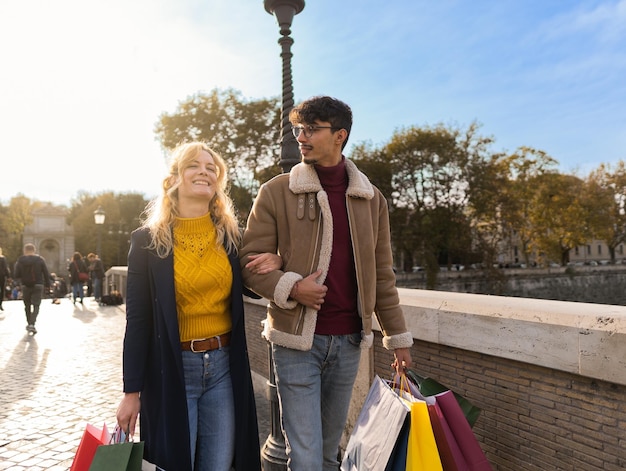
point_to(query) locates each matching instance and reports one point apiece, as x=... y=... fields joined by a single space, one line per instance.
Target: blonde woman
x=186 y=366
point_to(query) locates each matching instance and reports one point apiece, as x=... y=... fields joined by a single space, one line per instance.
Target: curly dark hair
x=323 y=108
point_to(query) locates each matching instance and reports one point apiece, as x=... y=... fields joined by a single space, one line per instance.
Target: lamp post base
x=273 y=456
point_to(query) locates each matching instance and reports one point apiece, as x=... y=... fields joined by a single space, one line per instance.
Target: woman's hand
x=127 y=413
x=264 y=263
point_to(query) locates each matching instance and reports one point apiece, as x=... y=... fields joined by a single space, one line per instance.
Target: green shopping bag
x=430 y=387
x=118 y=457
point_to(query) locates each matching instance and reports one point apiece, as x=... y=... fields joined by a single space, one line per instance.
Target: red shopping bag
x=462 y=431
x=452 y=458
x=92 y=438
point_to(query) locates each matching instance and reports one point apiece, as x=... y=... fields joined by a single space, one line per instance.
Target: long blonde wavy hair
x=161 y=212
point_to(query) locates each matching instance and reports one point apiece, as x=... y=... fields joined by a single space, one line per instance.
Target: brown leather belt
x=204 y=345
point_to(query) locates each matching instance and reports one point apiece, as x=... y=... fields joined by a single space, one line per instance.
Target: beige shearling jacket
x=291 y=216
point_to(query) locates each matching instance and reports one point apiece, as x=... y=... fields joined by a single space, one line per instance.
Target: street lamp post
x=98 y=216
x=285 y=10
x=273 y=456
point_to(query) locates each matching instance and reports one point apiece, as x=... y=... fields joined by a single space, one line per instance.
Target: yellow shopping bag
x=422 y=452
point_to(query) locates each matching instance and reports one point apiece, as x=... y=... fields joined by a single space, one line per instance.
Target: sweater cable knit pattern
x=203 y=280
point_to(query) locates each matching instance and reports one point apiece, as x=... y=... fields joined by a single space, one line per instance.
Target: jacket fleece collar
x=303 y=179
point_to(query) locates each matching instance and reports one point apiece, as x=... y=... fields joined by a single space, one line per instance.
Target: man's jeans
x=211 y=409
x=32 y=297
x=314 y=390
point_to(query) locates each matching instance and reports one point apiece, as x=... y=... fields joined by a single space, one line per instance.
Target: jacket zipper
x=356 y=260
x=311 y=269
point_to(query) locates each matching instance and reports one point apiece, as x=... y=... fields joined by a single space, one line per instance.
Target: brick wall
x=533 y=418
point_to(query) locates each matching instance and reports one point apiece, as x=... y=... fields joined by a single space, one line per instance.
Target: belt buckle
x=192 y=347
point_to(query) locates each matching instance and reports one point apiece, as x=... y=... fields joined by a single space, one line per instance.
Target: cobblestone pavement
x=67 y=375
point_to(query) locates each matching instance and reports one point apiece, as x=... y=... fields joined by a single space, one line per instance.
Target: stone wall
x=604 y=285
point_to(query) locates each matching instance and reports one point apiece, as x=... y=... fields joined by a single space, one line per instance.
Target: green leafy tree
x=490 y=200
x=432 y=170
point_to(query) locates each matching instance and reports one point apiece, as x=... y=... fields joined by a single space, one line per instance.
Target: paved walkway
x=67 y=375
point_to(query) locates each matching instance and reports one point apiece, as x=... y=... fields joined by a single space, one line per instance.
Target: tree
x=558 y=216
x=605 y=196
x=432 y=169
x=13 y=219
x=123 y=215
x=525 y=167
x=488 y=212
x=244 y=132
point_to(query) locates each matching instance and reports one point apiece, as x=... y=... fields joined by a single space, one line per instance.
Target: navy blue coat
x=153 y=362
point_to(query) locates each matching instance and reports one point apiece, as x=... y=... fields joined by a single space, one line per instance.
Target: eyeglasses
x=308 y=130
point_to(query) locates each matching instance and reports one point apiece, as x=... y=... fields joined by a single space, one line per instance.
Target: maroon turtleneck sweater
x=339 y=315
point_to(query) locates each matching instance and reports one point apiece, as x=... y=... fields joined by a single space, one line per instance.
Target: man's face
x=320 y=143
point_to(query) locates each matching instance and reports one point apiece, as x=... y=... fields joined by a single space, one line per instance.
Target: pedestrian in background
x=79 y=274
x=32 y=272
x=331 y=227
x=96 y=272
x=186 y=366
x=5 y=274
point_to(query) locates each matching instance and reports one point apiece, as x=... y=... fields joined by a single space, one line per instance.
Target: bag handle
x=402 y=384
x=119 y=436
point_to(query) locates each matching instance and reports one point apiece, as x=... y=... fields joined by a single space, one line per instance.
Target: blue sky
x=83 y=83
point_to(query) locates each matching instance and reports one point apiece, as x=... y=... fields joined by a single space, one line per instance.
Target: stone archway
x=50 y=250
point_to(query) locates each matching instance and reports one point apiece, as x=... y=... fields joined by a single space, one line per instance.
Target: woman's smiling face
x=198 y=179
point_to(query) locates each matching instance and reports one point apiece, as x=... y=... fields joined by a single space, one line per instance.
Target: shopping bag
x=91 y=439
x=462 y=432
x=376 y=430
x=422 y=452
x=430 y=387
x=452 y=458
x=397 y=460
x=126 y=456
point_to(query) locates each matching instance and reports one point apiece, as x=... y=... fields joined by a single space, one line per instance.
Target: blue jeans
x=314 y=391
x=211 y=409
x=32 y=300
x=97 y=288
x=77 y=291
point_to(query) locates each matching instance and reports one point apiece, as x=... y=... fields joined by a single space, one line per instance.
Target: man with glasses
x=330 y=225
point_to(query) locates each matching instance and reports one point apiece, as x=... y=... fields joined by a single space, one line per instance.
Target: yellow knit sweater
x=203 y=280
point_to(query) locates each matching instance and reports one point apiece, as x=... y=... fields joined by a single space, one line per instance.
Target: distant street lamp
x=98 y=216
x=285 y=10
x=273 y=455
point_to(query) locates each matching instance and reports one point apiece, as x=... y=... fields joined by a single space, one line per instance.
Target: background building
x=52 y=236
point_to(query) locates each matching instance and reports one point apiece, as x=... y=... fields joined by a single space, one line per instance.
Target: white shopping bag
x=376 y=430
